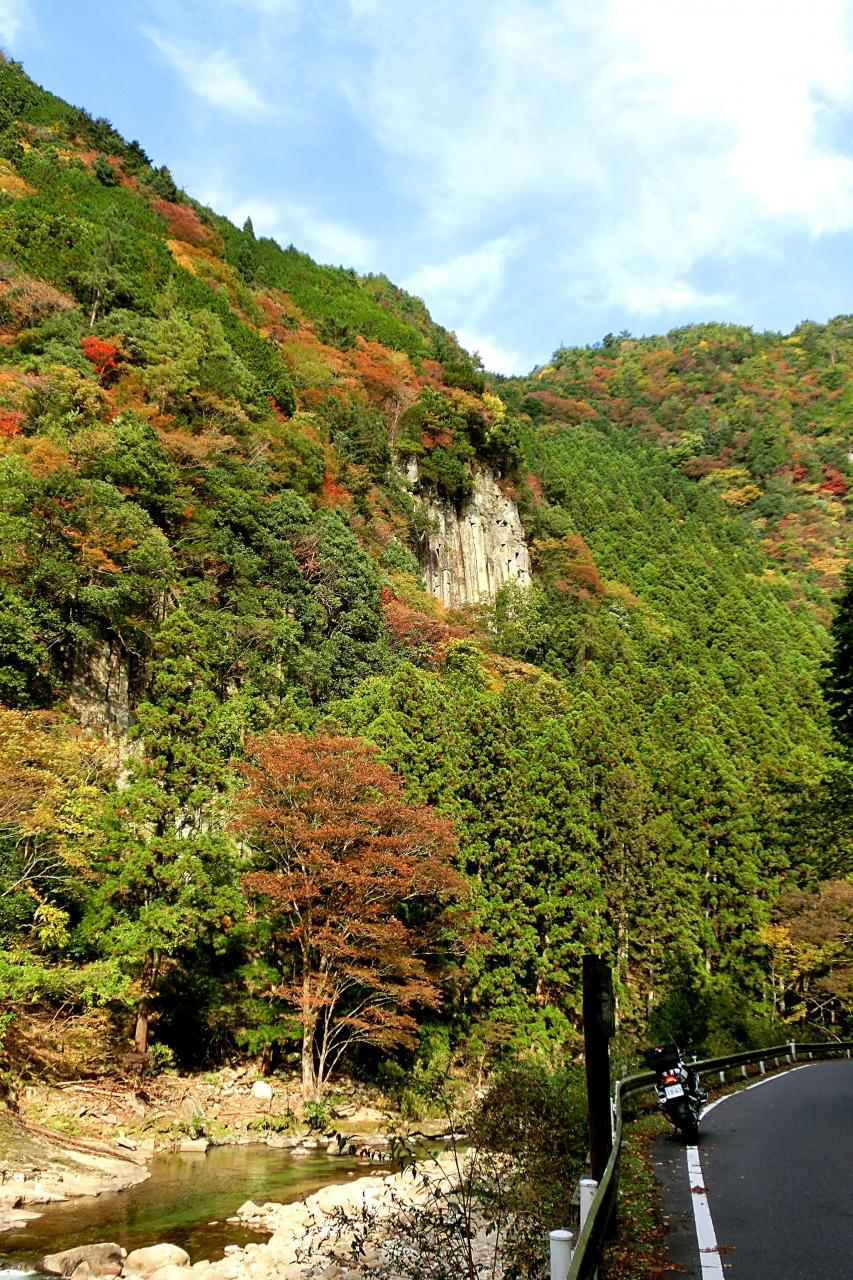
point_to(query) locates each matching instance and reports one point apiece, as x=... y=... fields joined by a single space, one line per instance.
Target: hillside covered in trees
x=259 y=790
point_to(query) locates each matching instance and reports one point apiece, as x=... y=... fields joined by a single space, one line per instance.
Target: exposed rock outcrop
x=468 y=554
x=100 y=688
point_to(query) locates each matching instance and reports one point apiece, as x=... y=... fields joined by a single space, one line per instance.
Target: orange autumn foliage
x=10 y=423
x=413 y=631
x=353 y=882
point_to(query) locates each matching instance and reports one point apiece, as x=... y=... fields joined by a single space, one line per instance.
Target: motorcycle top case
x=662 y=1057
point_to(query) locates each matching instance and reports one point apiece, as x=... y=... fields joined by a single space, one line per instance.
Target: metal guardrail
x=586 y=1256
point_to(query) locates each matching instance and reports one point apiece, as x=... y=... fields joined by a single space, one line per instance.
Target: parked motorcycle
x=680 y=1095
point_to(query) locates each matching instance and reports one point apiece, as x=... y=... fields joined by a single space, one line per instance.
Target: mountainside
x=760 y=419
x=237 y=492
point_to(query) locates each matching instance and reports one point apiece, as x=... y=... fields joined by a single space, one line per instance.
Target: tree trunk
x=143 y=1008
x=309 y=1075
x=309 y=1028
x=140 y=1035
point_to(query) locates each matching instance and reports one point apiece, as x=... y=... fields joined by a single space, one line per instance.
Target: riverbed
x=183 y=1197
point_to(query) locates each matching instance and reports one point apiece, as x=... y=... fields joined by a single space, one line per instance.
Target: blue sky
x=539 y=171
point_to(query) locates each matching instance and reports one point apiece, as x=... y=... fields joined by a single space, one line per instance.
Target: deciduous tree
x=357 y=880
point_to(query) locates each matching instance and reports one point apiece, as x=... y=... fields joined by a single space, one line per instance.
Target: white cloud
x=615 y=157
x=326 y=239
x=289 y=222
x=14 y=15
x=472 y=280
x=463 y=290
x=644 y=141
x=211 y=74
x=496 y=359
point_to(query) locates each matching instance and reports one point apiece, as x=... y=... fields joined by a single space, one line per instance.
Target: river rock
x=262 y=1091
x=248 y=1209
x=193 y=1144
x=102 y=1260
x=96 y=1271
x=14 y=1219
x=172 y=1271
x=155 y=1258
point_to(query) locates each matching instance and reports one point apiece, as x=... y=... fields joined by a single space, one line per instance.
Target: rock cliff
x=100 y=688
x=467 y=554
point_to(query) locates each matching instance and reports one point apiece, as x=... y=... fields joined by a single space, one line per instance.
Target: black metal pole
x=597 y=1030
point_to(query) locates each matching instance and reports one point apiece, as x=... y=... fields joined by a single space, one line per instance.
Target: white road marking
x=706 y=1236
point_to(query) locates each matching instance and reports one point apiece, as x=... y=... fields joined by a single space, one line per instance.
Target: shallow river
x=184 y=1194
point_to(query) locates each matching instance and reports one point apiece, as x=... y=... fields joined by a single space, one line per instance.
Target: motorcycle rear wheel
x=686 y=1120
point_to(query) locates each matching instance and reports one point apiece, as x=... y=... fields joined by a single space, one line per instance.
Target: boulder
x=102 y=1260
x=154 y=1258
x=192 y=1144
x=172 y=1271
x=248 y=1209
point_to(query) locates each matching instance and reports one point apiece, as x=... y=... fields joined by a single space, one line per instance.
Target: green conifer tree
x=167 y=872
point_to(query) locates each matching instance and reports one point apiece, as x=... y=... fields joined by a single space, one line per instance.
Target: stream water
x=183 y=1197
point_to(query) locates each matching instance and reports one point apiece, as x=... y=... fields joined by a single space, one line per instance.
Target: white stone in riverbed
x=193 y=1144
x=107 y=1256
x=156 y=1256
x=248 y=1209
x=172 y=1271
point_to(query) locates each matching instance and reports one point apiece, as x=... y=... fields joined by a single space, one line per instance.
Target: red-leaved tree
x=102 y=355
x=357 y=882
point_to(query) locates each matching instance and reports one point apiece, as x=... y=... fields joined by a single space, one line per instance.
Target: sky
x=540 y=172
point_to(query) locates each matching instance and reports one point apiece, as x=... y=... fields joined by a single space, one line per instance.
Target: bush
x=316 y=1113
x=159 y=1059
x=490 y=1204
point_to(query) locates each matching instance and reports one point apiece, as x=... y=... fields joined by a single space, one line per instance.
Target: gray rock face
x=101 y=1259
x=100 y=688
x=467 y=555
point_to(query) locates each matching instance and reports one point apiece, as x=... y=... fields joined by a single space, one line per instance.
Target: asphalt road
x=777 y=1176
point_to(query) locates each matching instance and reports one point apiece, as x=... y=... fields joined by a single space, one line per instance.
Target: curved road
x=773 y=1198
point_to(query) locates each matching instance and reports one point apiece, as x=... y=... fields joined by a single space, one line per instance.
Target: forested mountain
x=762 y=419
x=235 y=725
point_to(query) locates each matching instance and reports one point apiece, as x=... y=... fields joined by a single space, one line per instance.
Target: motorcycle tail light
x=669 y=1078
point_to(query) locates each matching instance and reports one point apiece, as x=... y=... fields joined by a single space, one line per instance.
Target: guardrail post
x=792 y=1050
x=722 y=1077
x=743 y=1070
x=588 y=1188
x=598 y=1028
x=761 y=1066
x=561 y=1253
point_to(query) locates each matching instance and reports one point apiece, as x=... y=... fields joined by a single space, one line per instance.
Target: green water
x=184 y=1194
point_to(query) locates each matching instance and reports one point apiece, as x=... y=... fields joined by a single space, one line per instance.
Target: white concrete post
x=761 y=1066
x=588 y=1188
x=743 y=1070
x=792 y=1048
x=561 y=1253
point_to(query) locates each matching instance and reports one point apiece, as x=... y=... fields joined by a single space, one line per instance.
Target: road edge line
x=706 y=1237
